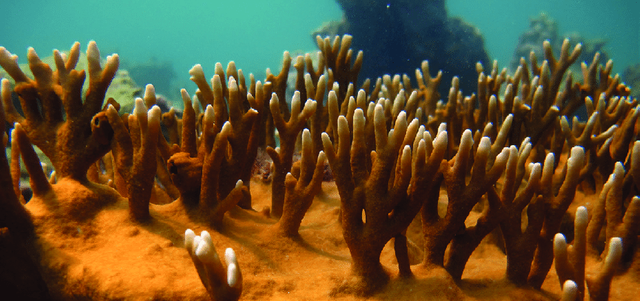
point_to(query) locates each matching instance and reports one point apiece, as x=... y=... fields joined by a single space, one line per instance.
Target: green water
x=255 y=33
x=502 y=21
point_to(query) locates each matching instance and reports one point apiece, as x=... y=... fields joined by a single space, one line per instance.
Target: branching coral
x=462 y=198
x=217 y=150
x=380 y=198
x=138 y=144
x=72 y=133
x=221 y=284
x=243 y=109
x=555 y=206
x=338 y=56
x=198 y=178
x=61 y=127
x=610 y=215
x=301 y=191
x=570 y=261
x=508 y=157
x=283 y=157
x=502 y=209
x=13 y=214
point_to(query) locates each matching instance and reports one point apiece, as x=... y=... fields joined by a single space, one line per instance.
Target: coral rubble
x=472 y=198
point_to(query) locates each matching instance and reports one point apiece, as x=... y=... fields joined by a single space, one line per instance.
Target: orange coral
x=510 y=160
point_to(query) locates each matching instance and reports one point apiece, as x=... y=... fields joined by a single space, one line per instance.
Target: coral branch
x=438 y=232
x=600 y=283
x=135 y=150
x=300 y=192
x=572 y=268
x=37 y=179
x=211 y=202
x=569 y=291
x=500 y=209
x=221 y=283
x=570 y=261
x=609 y=213
x=338 y=57
x=380 y=190
x=283 y=156
x=13 y=214
x=555 y=207
x=245 y=114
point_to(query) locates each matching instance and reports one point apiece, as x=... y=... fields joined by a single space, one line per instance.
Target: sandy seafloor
x=108 y=257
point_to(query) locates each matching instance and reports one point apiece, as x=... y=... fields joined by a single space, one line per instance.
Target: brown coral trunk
x=366 y=265
x=402 y=255
x=278 y=190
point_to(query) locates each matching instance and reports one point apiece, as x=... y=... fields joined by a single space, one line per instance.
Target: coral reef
x=545 y=28
x=472 y=198
x=631 y=76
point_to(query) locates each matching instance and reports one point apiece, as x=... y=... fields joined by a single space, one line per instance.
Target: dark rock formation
x=397 y=36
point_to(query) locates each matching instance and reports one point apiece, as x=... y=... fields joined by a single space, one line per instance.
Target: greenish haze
x=502 y=21
x=255 y=33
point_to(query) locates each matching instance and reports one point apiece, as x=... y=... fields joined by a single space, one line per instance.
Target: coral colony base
x=498 y=195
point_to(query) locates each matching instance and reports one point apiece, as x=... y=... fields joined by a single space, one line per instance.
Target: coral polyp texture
x=503 y=194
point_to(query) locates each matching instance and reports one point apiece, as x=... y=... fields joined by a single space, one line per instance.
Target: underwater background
x=175 y=35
